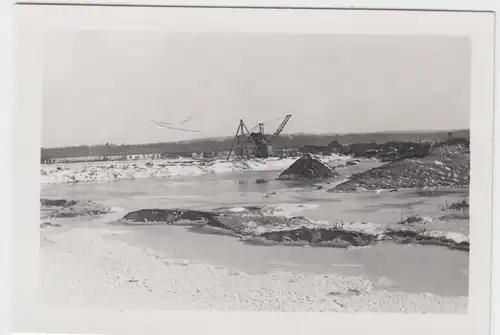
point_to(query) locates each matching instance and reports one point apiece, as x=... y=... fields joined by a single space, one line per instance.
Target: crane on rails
x=246 y=144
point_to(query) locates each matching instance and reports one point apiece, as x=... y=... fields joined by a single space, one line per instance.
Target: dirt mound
x=447 y=165
x=342 y=238
x=308 y=167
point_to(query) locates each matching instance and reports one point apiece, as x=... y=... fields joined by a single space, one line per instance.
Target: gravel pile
x=447 y=165
x=308 y=167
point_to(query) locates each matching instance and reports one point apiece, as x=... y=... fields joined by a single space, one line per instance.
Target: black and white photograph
x=256 y=172
x=282 y=171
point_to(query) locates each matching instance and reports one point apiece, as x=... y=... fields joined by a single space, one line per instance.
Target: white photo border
x=32 y=25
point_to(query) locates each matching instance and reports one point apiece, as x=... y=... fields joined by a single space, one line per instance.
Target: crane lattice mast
x=261 y=143
x=280 y=128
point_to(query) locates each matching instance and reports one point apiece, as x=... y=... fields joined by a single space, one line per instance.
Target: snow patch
x=102 y=171
x=365 y=227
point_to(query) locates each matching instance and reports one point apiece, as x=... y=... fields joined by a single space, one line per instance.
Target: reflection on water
x=407 y=268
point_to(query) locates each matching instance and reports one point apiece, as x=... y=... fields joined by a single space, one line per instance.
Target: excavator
x=262 y=144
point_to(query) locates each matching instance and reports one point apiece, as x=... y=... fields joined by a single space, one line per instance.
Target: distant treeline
x=284 y=141
x=387 y=151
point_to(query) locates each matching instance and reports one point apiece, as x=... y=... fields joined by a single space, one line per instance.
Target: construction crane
x=261 y=144
x=240 y=141
x=280 y=128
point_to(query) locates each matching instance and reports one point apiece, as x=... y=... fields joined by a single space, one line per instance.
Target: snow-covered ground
x=90 y=264
x=86 y=269
x=101 y=171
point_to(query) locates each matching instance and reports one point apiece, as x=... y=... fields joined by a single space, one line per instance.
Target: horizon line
x=295 y=133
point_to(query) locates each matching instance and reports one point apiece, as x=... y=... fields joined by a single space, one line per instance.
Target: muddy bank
x=169 y=216
x=322 y=237
x=256 y=225
x=426 y=237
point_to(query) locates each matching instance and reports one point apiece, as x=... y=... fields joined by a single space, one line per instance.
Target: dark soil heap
x=343 y=238
x=308 y=167
x=446 y=165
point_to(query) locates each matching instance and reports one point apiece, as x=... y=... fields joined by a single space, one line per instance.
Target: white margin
x=6 y=101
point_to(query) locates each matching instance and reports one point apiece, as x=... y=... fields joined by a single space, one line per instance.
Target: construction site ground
x=386 y=276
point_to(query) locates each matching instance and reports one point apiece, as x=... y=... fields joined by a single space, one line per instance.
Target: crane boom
x=260 y=143
x=280 y=128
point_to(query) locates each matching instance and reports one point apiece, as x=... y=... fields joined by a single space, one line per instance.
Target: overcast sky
x=107 y=86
